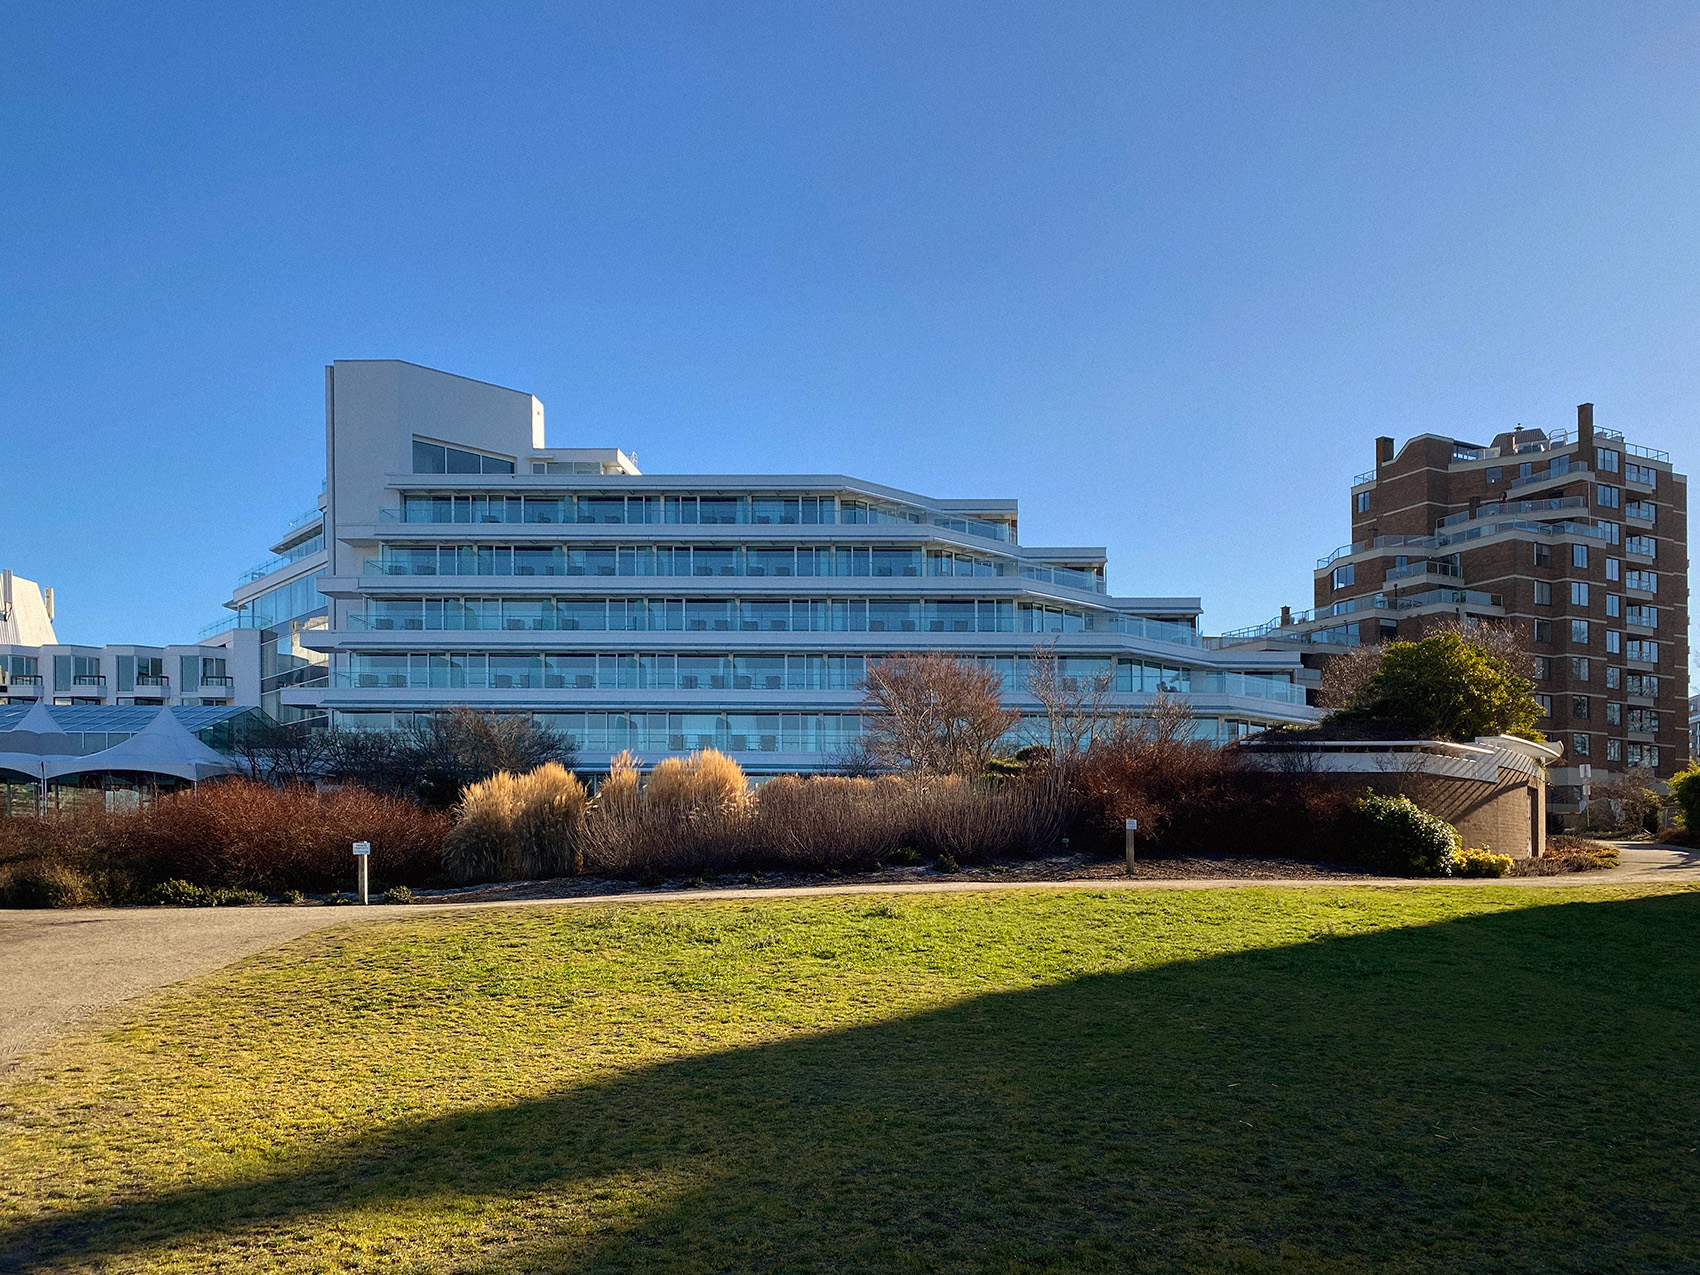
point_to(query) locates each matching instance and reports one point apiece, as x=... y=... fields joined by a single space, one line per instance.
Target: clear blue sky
x=1162 y=272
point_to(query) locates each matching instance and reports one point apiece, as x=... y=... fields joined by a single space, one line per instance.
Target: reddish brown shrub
x=248 y=835
x=1196 y=797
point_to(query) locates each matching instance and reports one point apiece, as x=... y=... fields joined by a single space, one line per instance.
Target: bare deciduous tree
x=1078 y=708
x=932 y=715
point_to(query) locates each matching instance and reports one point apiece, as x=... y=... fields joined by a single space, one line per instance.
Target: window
x=1543 y=630
x=1363 y=502
x=1578 y=593
x=435 y=458
x=1344 y=575
x=1614 y=750
x=1526 y=469
x=1579 y=706
x=1613 y=567
x=1579 y=632
x=1614 y=678
x=1543 y=668
x=1543 y=593
x=1641 y=510
x=1579 y=668
x=1614 y=606
x=1578 y=555
x=1544 y=703
x=1606 y=460
x=1643 y=755
x=1646 y=581
x=1610 y=497
x=1645 y=720
x=1614 y=532
x=1614 y=714
x=1579 y=745
x=1543 y=555
x=1644 y=684
x=1494 y=473
x=1643 y=650
x=1644 y=617
x=1614 y=642
x=1641 y=474
x=1558 y=466
x=1643 y=545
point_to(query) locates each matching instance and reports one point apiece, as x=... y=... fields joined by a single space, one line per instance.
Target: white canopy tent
x=36 y=745
x=163 y=747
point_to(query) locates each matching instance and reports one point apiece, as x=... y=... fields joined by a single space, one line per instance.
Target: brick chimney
x=1383 y=450
x=1584 y=432
x=1286 y=616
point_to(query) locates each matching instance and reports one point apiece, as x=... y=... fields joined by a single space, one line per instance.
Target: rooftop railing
x=1368 y=476
x=223 y=625
x=1647 y=453
x=278 y=562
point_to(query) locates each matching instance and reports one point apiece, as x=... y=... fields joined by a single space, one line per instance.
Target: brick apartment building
x=1577 y=539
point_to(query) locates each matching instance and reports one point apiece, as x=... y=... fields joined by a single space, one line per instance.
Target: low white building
x=219 y=672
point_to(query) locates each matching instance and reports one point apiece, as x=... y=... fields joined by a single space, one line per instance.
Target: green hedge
x=1397 y=836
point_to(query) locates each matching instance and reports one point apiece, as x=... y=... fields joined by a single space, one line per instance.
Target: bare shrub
x=932 y=715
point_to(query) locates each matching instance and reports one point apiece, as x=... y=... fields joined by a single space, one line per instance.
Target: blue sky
x=1162 y=272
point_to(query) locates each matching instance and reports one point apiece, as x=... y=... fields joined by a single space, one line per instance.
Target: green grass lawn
x=1435 y=1079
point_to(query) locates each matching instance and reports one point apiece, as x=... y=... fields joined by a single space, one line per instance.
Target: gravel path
x=58 y=968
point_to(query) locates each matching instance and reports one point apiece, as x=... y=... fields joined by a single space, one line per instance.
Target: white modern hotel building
x=460 y=560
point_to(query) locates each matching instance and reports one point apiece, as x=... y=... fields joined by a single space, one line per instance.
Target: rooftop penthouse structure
x=459 y=559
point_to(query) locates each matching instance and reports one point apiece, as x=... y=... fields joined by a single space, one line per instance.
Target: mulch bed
x=1072 y=867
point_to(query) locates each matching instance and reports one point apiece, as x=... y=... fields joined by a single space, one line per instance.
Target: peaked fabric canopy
x=163 y=747
x=36 y=745
x=38 y=735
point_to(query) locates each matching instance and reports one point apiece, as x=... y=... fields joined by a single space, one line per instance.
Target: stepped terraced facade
x=458 y=559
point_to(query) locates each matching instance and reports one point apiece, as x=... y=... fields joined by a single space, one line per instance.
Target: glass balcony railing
x=295 y=553
x=152 y=679
x=1647 y=453
x=608 y=508
x=1516 y=507
x=1412 y=569
x=1552 y=475
x=1090 y=581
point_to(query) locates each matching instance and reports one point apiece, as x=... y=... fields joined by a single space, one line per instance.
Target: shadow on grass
x=1503 y=1092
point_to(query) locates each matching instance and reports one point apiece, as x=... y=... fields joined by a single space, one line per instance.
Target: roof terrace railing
x=1647 y=453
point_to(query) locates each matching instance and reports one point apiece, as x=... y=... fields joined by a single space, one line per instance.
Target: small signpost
x=363 y=854
x=1132 y=827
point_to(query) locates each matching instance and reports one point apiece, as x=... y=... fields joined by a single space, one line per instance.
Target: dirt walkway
x=58 y=968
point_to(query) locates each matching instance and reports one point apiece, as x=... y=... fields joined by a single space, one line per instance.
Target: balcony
x=20 y=679
x=1450 y=598
x=1420 y=570
x=1550 y=477
x=88 y=679
x=1368 y=476
x=152 y=679
x=221 y=683
x=1517 y=507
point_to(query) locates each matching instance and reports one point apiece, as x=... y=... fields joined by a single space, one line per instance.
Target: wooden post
x=1132 y=828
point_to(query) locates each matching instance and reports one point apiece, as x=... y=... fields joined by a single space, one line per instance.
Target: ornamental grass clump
x=512 y=827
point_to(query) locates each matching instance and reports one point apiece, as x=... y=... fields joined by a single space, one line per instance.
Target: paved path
x=58 y=968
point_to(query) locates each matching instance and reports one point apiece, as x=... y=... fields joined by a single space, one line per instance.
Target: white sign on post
x=362 y=852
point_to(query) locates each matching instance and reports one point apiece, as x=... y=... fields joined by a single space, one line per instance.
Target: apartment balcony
x=21 y=685
x=1550 y=477
x=88 y=679
x=1420 y=572
x=217 y=683
x=152 y=679
x=1517 y=508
